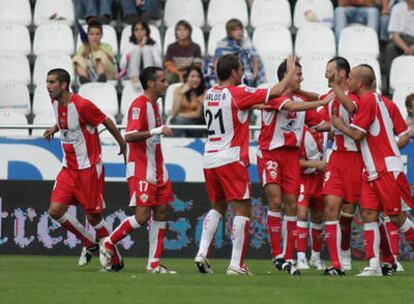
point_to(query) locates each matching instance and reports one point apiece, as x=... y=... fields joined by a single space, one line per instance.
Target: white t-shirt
x=401 y=20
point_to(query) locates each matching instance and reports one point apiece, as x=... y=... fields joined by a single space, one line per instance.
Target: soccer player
x=278 y=157
x=384 y=184
x=149 y=184
x=81 y=180
x=313 y=164
x=226 y=157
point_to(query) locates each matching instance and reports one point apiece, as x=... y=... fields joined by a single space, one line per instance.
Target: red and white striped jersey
x=312 y=148
x=379 y=149
x=341 y=142
x=144 y=158
x=77 y=122
x=282 y=128
x=227 y=117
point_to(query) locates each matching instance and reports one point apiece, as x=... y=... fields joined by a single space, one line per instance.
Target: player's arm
x=292 y=106
x=317 y=164
x=110 y=126
x=354 y=133
x=403 y=140
x=344 y=99
x=323 y=127
x=278 y=89
x=50 y=132
x=138 y=136
x=308 y=95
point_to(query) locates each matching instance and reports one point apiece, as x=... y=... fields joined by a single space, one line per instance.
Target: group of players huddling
x=364 y=168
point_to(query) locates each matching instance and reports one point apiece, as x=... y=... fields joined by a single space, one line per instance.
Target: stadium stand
x=313 y=12
x=271 y=61
x=41 y=101
x=400 y=94
x=103 y=95
x=60 y=34
x=373 y=62
x=189 y=10
x=217 y=33
x=10 y=117
x=126 y=33
x=47 y=11
x=197 y=36
x=15 y=97
x=169 y=98
x=358 y=35
x=129 y=93
x=16 y=12
x=270 y=12
x=17 y=37
x=109 y=36
x=402 y=71
x=273 y=39
x=221 y=11
x=315 y=39
x=44 y=118
x=47 y=61
x=14 y=67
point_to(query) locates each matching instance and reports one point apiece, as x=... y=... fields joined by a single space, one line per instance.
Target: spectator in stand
x=188 y=103
x=356 y=11
x=409 y=104
x=146 y=10
x=401 y=29
x=94 y=9
x=236 y=43
x=386 y=6
x=182 y=53
x=141 y=52
x=94 y=59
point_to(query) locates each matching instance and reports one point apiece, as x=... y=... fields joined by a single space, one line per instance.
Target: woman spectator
x=409 y=104
x=182 y=53
x=235 y=43
x=141 y=51
x=188 y=102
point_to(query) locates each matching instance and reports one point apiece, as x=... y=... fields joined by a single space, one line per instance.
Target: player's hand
x=328 y=98
x=166 y=131
x=261 y=107
x=291 y=64
x=49 y=133
x=337 y=121
x=321 y=165
x=122 y=150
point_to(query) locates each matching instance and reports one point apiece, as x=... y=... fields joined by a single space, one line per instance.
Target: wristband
x=156 y=131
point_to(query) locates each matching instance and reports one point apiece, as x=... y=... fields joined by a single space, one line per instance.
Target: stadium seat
x=323 y=10
x=313 y=68
x=41 y=101
x=354 y=61
x=104 y=134
x=103 y=95
x=60 y=35
x=271 y=62
x=273 y=39
x=402 y=71
x=221 y=11
x=9 y=117
x=314 y=39
x=126 y=33
x=48 y=61
x=270 y=12
x=16 y=12
x=197 y=37
x=400 y=94
x=15 y=38
x=189 y=10
x=320 y=87
x=44 y=118
x=129 y=93
x=169 y=98
x=14 y=96
x=216 y=34
x=160 y=107
x=14 y=67
x=358 y=40
x=109 y=36
x=47 y=11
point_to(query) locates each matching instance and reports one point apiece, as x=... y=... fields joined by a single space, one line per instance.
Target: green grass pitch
x=40 y=279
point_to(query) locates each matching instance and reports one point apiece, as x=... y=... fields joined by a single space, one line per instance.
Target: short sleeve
x=366 y=113
x=278 y=103
x=90 y=113
x=246 y=97
x=313 y=118
x=396 y=23
x=137 y=117
x=168 y=55
x=398 y=122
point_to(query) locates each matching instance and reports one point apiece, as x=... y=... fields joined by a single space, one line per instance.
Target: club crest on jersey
x=273 y=174
x=144 y=197
x=250 y=90
x=135 y=113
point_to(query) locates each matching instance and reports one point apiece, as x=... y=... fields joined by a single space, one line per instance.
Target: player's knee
x=369 y=216
x=55 y=213
x=160 y=215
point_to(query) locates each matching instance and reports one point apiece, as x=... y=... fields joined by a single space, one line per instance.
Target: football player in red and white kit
x=278 y=157
x=149 y=184
x=313 y=164
x=81 y=180
x=226 y=157
x=385 y=185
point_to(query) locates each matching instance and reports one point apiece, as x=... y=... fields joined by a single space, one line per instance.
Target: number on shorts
x=271 y=165
x=143 y=186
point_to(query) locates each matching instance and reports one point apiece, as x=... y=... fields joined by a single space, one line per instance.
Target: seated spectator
x=386 y=6
x=401 y=29
x=409 y=104
x=141 y=52
x=236 y=43
x=188 y=103
x=356 y=11
x=182 y=53
x=94 y=59
x=94 y=9
x=134 y=10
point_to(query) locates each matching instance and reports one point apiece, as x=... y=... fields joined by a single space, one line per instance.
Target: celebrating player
x=81 y=180
x=226 y=157
x=149 y=184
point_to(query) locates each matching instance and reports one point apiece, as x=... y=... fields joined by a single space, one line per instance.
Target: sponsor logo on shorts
x=273 y=174
x=144 y=197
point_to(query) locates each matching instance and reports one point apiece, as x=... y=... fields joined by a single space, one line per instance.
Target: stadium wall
x=28 y=168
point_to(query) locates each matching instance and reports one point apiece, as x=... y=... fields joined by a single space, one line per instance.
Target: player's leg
x=389 y=262
x=345 y=221
x=302 y=233
x=274 y=218
x=240 y=236
x=316 y=216
x=393 y=235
